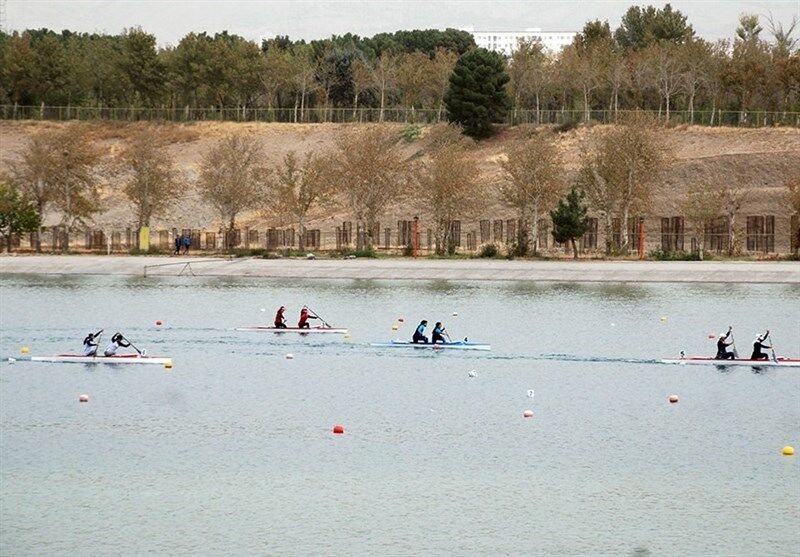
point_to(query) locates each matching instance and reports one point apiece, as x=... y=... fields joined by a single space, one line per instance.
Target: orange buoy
x=83 y=398
x=338 y=429
x=528 y=413
x=673 y=398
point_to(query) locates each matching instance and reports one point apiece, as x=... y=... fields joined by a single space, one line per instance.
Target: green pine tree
x=570 y=220
x=477 y=95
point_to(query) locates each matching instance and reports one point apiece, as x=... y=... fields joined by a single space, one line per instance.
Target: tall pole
x=641 y=238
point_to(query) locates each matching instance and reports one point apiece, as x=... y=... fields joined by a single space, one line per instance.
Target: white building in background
x=506 y=43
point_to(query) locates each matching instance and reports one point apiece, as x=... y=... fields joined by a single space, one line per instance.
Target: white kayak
x=309 y=330
x=81 y=359
x=455 y=345
x=701 y=360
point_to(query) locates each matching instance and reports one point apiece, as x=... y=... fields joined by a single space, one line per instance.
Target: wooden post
x=415 y=238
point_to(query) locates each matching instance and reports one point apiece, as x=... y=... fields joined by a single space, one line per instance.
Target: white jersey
x=111 y=349
x=89 y=349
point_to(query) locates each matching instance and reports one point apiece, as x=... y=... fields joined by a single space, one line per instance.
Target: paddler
x=438 y=333
x=117 y=341
x=90 y=343
x=280 y=320
x=758 y=345
x=304 y=317
x=419 y=333
x=722 y=346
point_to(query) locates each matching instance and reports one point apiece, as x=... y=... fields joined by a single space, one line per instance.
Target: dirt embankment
x=760 y=159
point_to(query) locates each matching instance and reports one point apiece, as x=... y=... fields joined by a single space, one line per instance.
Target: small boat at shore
x=81 y=359
x=455 y=345
x=702 y=360
x=304 y=331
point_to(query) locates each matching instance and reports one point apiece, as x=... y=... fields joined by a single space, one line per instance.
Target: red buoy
x=158 y=323
x=338 y=429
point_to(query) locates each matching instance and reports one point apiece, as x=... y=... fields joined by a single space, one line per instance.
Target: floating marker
x=401 y=319
x=394 y=327
x=346 y=336
x=528 y=413
x=338 y=429
x=663 y=318
x=158 y=323
x=83 y=398
x=473 y=373
x=530 y=393
x=673 y=399
x=25 y=350
x=455 y=314
x=263 y=309
x=788 y=451
x=168 y=364
x=290 y=356
x=12 y=360
x=712 y=336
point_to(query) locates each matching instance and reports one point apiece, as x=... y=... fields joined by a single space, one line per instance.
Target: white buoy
x=530 y=393
x=455 y=314
x=473 y=373
x=290 y=356
x=263 y=309
x=12 y=360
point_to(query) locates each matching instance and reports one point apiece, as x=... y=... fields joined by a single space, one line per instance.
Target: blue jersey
x=421 y=328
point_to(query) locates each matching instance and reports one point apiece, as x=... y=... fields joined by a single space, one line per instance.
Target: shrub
x=660 y=255
x=411 y=132
x=489 y=251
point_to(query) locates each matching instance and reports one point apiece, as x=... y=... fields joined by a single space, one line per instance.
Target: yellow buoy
x=663 y=318
x=788 y=451
x=168 y=364
x=25 y=350
x=394 y=327
x=346 y=336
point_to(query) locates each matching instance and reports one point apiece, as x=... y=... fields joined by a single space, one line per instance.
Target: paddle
x=141 y=353
x=314 y=313
x=772 y=347
x=96 y=337
x=733 y=342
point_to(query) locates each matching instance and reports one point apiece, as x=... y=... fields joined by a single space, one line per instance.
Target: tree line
x=366 y=173
x=652 y=61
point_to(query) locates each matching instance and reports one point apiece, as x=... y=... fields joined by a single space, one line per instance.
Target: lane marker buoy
x=290 y=356
x=168 y=364
x=473 y=373
x=338 y=429
x=528 y=413
x=83 y=398
x=673 y=399
x=530 y=393
x=158 y=323
x=788 y=451
x=25 y=350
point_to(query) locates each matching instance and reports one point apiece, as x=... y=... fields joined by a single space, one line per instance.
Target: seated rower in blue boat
x=419 y=334
x=438 y=333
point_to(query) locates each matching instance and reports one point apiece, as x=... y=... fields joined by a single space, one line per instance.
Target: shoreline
x=762 y=272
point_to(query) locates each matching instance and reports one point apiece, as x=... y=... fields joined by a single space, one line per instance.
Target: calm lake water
x=232 y=452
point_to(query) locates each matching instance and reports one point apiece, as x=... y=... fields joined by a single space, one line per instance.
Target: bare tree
x=696 y=68
x=660 y=67
x=582 y=65
x=303 y=77
x=34 y=173
x=386 y=67
x=533 y=182
x=619 y=172
x=730 y=197
x=232 y=177
x=413 y=76
x=441 y=68
x=363 y=81
x=149 y=177
x=527 y=72
x=701 y=208
x=298 y=185
x=447 y=185
x=370 y=173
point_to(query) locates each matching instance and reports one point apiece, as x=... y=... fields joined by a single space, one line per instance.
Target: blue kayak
x=456 y=345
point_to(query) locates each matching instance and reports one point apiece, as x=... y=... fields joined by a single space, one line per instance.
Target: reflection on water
x=231 y=451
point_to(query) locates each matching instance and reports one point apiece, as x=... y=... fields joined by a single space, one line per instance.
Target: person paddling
x=438 y=333
x=304 y=317
x=758 y=345
x=90 y=343
x=722 y=346
x=280 y=320
x=117 y=341
x=419 y=334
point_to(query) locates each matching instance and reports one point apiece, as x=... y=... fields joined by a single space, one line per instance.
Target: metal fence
x=667 y=234
x=371 y=115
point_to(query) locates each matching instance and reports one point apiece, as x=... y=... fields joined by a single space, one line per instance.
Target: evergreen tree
x=642 y=27
x=477 y=95
x=570 y=220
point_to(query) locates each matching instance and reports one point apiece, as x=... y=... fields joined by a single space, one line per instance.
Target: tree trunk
x=538 y=116
x=535 y=229
x=609 y=233
x=574 y=249
x=301 y=239
x=691 y=108
x=586 y=115
x=623 y=232
x=383 y=103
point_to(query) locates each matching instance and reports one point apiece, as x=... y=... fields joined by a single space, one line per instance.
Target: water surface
x=231 y=451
